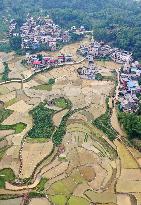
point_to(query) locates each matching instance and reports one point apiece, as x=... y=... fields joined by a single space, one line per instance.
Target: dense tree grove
x=131 y=122
x=43 y=126
x=115 y=21
x=15 y=43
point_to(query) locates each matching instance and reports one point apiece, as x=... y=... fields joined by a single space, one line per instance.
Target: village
x=87 y=158
x=129 y=75
x=41 y=32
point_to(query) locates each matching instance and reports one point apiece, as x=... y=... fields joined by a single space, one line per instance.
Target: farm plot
x=16 y=201
x=32 y=154
x=125 y=199
x=6 y=98
x=58 y=117
x=4 y=133
x=20 y=106
x=66 y=186
x=12 y=86
x=37 y=201
x=11 y=159
x=101 y=198
x=127 y=159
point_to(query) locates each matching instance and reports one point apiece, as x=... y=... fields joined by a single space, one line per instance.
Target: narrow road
x=39 y=71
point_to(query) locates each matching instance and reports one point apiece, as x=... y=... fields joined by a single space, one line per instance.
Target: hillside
x=113 y=21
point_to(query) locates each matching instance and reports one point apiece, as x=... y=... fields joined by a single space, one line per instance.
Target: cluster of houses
x=37 y=32
x=39 y=61
x=100 y=49
x=130 y=89
x=90 y=71
x=80 y=30
x=129 y=76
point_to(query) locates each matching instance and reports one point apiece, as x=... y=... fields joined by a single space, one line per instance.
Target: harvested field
x=32 y=154
x=15 y=118
x=57 y=118
x=85 y=169
x=88 y=173
x=4 y=133
x=3 y=90
x=80 y=189
x=16 y=201
x=41 y=201
x=109 y=65
x=104 y=197
x=13 y=86
x=131 y=174
x=11 y=159
x=127 y=160
x=20 y=106
x=124 y=199
x=6 y=98
x=56 y=171
x=115 y=123
x=127 y=186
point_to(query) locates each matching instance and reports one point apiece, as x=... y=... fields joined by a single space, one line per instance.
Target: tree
x=15 y=43
x=51 y=81
x=5 y=72
x=98 y=76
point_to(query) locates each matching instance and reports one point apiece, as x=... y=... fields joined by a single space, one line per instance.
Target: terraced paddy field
x=52 y=152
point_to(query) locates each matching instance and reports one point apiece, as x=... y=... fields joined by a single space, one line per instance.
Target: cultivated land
x=51 y=148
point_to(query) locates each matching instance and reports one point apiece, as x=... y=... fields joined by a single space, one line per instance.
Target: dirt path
x=115 y=123
x=114 y=120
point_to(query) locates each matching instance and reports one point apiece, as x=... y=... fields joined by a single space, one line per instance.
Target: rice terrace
x=62 y=136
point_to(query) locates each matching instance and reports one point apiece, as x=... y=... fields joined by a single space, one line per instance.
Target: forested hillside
x=116 y=21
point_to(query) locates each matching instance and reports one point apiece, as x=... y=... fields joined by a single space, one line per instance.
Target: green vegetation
x=131 y=123
x=62 y=103
x=5 y=113
x=103 y=123
x=15 y=43
x=6 y=175
x=61 y=131
x=65 y=188
x=5 y=47
x=11 y=102
x=59 y=199
x=77 y=200
x=2 y=151
x=47 y=86
x=5 y=72
x=19 y=127
x=114 y=21
x=51 y=81
x=43 y=87
x=38 y=140
x=41 y=185
x=34 y=194
x=43 y=125
x=98 y=76
x=76 y=37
